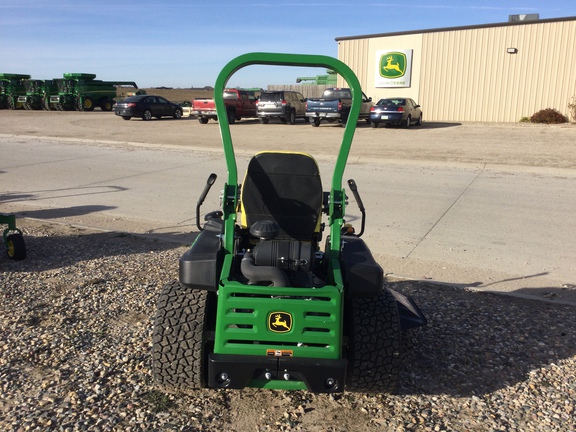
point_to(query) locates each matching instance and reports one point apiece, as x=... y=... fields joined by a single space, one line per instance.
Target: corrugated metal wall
x=355 y=54
x=467 y=74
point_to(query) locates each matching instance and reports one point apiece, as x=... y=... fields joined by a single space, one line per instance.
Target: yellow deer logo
x=392 y=65
x=389 y=65
x=280 y=322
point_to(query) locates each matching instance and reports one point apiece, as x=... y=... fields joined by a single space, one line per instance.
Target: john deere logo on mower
x=392 y=65
x=280 y=322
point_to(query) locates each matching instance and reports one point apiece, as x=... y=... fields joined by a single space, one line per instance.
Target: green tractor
x=82 y=92
x=38 y=94
x=259 y=303
x=11 y=88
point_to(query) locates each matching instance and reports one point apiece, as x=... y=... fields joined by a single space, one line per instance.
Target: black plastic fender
x=200 y=265
x=363 y=276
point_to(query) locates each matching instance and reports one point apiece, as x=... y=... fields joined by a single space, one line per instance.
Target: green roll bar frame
x=231 y=188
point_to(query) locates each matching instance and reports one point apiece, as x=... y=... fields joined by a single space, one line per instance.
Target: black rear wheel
x=373 y=327
x=84 y=103
x=179 y=341
x=231 y=116
x=147 y=115
x=203 y=120
x=16 y=247
x=107 y=105
x=408 y=122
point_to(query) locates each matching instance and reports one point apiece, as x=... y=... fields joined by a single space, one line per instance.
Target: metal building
x=494 y=73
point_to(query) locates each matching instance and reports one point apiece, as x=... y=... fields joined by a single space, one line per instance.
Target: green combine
x=11 y=88
x=38 y=94
x=260 y=302
x=83 y=92
x=328 y=80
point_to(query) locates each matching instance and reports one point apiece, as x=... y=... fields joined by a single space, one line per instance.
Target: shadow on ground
x=477 y=342
x=53 y=246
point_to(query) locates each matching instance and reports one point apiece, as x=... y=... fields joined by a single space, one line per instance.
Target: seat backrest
x=285 y=188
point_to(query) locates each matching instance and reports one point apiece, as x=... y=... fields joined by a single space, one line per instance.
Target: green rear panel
x=246 y=311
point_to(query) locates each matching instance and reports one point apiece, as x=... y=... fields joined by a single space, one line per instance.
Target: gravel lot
x=76 y=322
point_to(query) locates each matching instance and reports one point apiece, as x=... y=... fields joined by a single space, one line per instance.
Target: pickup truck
x=239 y=103
x=334 y=105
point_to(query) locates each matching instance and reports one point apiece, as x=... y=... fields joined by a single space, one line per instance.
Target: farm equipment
x=38 y=94
x=259 y=303
x=328 y=80
x=11 y=87
x=82 y=92
x=13 y=238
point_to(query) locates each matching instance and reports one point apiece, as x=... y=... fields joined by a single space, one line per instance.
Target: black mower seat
x=285 y=188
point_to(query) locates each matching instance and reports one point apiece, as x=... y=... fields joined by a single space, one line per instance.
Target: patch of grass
x=159 y=401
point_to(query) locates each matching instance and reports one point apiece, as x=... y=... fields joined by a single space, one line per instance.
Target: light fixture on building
x=511 y=50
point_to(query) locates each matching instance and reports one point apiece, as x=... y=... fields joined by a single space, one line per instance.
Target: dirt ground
x=430 y=395
x=520 y=144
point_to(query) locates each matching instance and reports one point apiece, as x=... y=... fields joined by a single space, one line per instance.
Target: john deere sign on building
x=498 y=72
x=394 y=68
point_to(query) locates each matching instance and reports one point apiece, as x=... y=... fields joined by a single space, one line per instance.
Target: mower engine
x=273 y=260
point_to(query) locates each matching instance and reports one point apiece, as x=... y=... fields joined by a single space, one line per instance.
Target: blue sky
x=185 y=43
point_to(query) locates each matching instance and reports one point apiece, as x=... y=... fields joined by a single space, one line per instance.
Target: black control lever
x=354 y=189
x=211 y=179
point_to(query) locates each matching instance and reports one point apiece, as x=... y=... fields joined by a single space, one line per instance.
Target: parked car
x=396 y=111
x=334 y=105
x=146 y=107
x=239 y=104
x=283 y=104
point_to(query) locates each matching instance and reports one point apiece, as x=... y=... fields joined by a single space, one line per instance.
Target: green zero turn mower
x=13 y=238
x=259 y=302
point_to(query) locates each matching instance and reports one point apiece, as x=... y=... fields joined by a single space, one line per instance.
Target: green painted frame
x=337 y=195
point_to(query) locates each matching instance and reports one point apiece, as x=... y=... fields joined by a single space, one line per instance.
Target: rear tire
x=147 y=115
x=374 y=124
x=292 y=117
x=264 y=120
x=203 y=120
x=179 y=339
x=316 y=122
x=373 y=326
x=16 y=247
x=408 y=122
x=126 y=117
x=106 y=105
x=84 y=103
x=231 y=117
